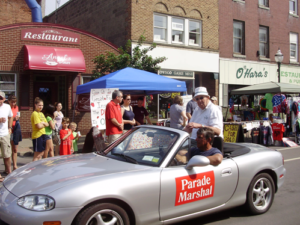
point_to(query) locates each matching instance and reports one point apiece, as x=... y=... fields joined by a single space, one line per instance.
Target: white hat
x=2 y=94
x=201 y=91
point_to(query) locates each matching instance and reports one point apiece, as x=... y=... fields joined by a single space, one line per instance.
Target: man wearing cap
x=205 y=115
x=214 y=100
x=6 y=120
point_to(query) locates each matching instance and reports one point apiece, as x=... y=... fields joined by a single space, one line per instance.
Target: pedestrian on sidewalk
x=66 y=137
x=38 y=122
x=58 y=116
x=16 y=135
x=6 y=119
x=113 y=117
x=76 y=136
x=127 y=113
x=49 y=114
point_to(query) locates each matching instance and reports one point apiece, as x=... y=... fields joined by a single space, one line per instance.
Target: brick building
x=186 y=32
x=47 y=61
x=250 y=34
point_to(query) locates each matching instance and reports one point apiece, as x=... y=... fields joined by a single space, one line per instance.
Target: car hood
x=45 y=176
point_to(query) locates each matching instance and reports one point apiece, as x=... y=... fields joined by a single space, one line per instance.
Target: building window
x=293 y=7
x=293 y=47
x=239 y=37
x=264 y=3
x=160 y=28
x=8 y=83
x=177 y=30
x=264 y=41
x=85 y=79
x=194 y=33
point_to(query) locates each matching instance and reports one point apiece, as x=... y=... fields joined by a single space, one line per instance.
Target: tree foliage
x=110 y=62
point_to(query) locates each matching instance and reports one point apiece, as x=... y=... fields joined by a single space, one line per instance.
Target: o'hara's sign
x=50 y=35
x=250 y=73
x=176 y=73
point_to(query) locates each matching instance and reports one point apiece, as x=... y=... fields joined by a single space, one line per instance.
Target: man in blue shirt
x=205 y=138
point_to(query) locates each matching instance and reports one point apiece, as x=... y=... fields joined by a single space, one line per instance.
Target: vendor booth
x=255 y=120
x=139 y=82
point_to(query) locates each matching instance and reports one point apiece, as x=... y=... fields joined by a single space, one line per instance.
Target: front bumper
x=13 y=214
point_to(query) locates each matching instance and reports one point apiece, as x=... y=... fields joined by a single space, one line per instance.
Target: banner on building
x=99 y=98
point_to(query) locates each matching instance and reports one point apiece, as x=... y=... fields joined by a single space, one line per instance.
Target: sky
x=50 y=5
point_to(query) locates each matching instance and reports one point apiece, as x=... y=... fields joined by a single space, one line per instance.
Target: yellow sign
x=174 y=94
x=231 y=132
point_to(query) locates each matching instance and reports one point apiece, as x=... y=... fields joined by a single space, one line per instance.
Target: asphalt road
x=285 y=209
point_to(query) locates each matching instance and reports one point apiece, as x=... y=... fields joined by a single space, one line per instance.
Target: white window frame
x=83 y=76
x=294 y=10
x=265 y=43
x=294 y=39
x=15 y=82
x=186 y=32
x=200 y=36
x=166 y=28
x=264 y=3
x=178 y=29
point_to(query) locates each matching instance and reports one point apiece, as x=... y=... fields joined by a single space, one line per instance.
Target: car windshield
x=142 y=145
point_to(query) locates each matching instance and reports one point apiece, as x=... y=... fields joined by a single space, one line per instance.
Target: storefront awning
x=53 y=58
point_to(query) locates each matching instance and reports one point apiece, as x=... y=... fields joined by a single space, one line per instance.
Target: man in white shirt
x=205 y=115
x=6 y=120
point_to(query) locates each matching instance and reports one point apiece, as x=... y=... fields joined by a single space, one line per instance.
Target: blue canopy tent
x=134 y=81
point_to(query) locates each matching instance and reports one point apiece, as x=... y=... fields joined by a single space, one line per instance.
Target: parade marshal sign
x=176 y=73
x=50 y=35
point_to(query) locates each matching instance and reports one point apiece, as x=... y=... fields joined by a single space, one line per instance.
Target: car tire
x=260 y=194
x=102 y=213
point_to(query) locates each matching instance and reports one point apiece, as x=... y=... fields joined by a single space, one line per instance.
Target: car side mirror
x=197 y=160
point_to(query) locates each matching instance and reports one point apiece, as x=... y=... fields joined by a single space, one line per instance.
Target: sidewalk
x=25 y=146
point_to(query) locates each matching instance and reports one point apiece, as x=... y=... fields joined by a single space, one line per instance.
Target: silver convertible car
x=141 y=179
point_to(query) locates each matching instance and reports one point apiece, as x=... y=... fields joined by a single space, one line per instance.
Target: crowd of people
x=53 y=134
x=49 y=128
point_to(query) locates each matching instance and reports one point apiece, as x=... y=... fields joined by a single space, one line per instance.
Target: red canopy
x=53 y=58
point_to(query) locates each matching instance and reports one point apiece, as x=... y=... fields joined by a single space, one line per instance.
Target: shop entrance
x=46 y=91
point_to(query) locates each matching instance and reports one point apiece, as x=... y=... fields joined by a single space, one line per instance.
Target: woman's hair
x=49 y=110
x=124 y=98
x=12 y=98
x=56 y=104
x=88 y=142
x=65 y=119
x=178 y=100
x=37 y=100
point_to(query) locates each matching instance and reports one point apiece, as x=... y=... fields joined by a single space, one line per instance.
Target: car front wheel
x=101 y=214
x=260 y=194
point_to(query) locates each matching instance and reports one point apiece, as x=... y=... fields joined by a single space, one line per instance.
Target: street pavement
x=285 y=208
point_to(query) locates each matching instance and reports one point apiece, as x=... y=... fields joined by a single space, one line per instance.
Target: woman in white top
x=58 y=116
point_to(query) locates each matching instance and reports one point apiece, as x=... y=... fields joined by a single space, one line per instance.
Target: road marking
x=288 y=148
x=286 y=160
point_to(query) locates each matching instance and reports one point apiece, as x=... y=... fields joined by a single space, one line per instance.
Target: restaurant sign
x=176 y=73
x=290 y=74
x=50 y=35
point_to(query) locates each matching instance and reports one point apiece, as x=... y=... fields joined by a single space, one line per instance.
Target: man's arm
x=117 y=124
x=10 y=122
x=215 y=159
x=148 y=120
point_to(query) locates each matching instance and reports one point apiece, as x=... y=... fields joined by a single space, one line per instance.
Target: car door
x=188 y=191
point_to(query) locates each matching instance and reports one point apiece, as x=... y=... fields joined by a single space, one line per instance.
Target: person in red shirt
x=113 y=117
x=66 y=136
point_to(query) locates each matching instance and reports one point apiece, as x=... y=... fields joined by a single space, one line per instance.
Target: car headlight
x=37 y=202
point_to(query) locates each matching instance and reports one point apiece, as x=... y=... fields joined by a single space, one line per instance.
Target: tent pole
x=74 y=107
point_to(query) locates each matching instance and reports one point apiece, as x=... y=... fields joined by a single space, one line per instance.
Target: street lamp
x=278 y=59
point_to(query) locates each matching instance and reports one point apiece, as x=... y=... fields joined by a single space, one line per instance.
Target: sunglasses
x=1 y=98
x=200 y=98
x=128 y=99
